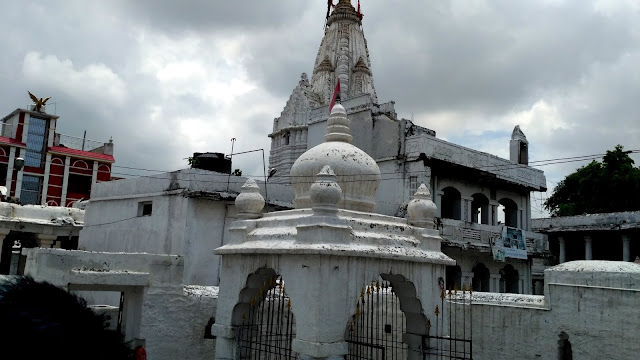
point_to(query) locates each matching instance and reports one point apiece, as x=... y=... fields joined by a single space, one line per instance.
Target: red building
x=58 y=169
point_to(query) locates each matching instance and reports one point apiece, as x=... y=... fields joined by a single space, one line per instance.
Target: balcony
x=478 y=236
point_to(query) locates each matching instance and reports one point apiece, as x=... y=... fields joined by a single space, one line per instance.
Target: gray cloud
x=195 y=74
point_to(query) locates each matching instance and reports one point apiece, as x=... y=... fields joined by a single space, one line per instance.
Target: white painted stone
x=422 y=209
x=325 y=193
x=249 y=202
x=357 y=173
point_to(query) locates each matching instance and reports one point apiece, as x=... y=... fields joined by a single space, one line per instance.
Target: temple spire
x=343 y=55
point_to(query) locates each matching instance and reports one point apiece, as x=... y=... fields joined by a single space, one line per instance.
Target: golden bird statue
x=38 y=103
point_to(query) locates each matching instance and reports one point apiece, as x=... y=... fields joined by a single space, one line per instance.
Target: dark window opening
x=480 y=281
x=454 y=277
x=510 y=210
x=450 y=202
x=145 y=208
x=509 y=280
x=480 y=209
x=3 y=175
x=80 y=185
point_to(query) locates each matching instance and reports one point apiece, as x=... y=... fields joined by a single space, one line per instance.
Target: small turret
x=519 y=147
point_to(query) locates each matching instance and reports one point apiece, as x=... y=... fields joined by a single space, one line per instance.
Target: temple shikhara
x=375 y=239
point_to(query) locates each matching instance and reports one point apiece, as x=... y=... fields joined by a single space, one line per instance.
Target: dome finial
x=421 y=209
x=325 y=193
x=338 y=125
x=250 y=202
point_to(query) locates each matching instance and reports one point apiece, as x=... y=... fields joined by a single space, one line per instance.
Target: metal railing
x=78 y=143
x=6 y=130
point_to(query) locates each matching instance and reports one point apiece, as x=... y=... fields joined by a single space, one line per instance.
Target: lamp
x=19 y=163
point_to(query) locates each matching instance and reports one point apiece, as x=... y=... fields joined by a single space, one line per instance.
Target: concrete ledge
x=124 y=278
x=320 y=350
x=224 y=331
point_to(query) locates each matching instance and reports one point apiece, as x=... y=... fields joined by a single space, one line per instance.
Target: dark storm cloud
x=487 y=64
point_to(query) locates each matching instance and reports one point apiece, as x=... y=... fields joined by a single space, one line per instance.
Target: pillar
x=465 y=208
x=588 y=249
x=45 y=180
x=65 y=181
x=94 y=175
x=12 y=157
x=46 y=241
x=439 y=203
x=19 y=176
x=538 y=287
x=626 y=251
x=494 y=285
x=563 y=254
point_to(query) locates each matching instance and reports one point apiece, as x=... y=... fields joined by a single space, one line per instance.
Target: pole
x=264 y=173
x=233 y=141
x=84 y=138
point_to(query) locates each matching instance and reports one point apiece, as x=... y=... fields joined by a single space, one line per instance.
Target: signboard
x=510 y=245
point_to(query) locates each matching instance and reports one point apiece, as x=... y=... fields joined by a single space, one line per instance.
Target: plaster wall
x=596 y=307
x=168 y=318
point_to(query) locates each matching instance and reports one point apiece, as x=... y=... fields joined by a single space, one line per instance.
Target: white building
x=185 y=212
x=477 y=193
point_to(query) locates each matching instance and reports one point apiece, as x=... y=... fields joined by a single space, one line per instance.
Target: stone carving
x=422 y=209
x=250 y=202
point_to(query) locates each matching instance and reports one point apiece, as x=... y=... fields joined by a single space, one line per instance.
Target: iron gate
x=268 y=326
x=375 y=330
x=453 y=332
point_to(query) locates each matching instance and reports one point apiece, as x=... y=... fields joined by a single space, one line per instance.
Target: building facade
x=606 y=236
x=478 y=194
x=54 y=169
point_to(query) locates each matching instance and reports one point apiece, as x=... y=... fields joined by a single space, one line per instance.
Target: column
x=12 y=157
x=493 y=207
x=494 y=285
x=563 y=255
x=25 y=128
x=65 y=181
x=538 y=287
x=52 y=132
x=438 y=199
x=588 y=250
x=465 y=210
x=45 y=181
x=626 y=251
x=46 y=241
x=19 y=177
x=94 y=175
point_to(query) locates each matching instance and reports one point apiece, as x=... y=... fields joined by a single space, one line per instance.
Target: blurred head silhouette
x=41 y=321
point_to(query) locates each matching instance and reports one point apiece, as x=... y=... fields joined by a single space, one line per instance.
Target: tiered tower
x=342 y=54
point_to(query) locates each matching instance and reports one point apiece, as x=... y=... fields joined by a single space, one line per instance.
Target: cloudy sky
x=166 y=78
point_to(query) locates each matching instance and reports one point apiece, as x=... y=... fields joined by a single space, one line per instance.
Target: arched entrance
x=480 y=281
x=509 y=279
x=267 y=325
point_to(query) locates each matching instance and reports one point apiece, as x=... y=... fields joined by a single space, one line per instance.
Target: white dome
x=357 y=173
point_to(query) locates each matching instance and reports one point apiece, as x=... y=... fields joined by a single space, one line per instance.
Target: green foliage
x=237 y=172
x=193 y=161
x=610 y=186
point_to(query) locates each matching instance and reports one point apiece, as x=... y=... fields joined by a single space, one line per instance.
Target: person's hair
x=41 y=321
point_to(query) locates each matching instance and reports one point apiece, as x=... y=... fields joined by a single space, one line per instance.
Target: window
x=79 y=185
x=145 y=208
x=30 y=193
x=413 y=185
x=36 y=136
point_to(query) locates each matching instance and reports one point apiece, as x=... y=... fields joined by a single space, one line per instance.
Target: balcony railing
x=6 y=130
x=481 y=235
x=78 y=143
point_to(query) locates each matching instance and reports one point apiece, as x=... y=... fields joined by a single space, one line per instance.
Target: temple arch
x=480 y=209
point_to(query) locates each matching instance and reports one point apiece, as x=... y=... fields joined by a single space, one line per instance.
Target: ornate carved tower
x=342 y=54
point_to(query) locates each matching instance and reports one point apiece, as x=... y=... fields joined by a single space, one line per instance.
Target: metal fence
x=77 y=143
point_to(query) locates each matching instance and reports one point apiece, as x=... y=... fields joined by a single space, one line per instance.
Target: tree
x=610 y=186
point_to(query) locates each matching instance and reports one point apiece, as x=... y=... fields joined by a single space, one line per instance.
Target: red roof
x=10 y=141
x=80 y=153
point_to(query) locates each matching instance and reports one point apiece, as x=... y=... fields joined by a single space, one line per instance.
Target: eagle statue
x=38 y=103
